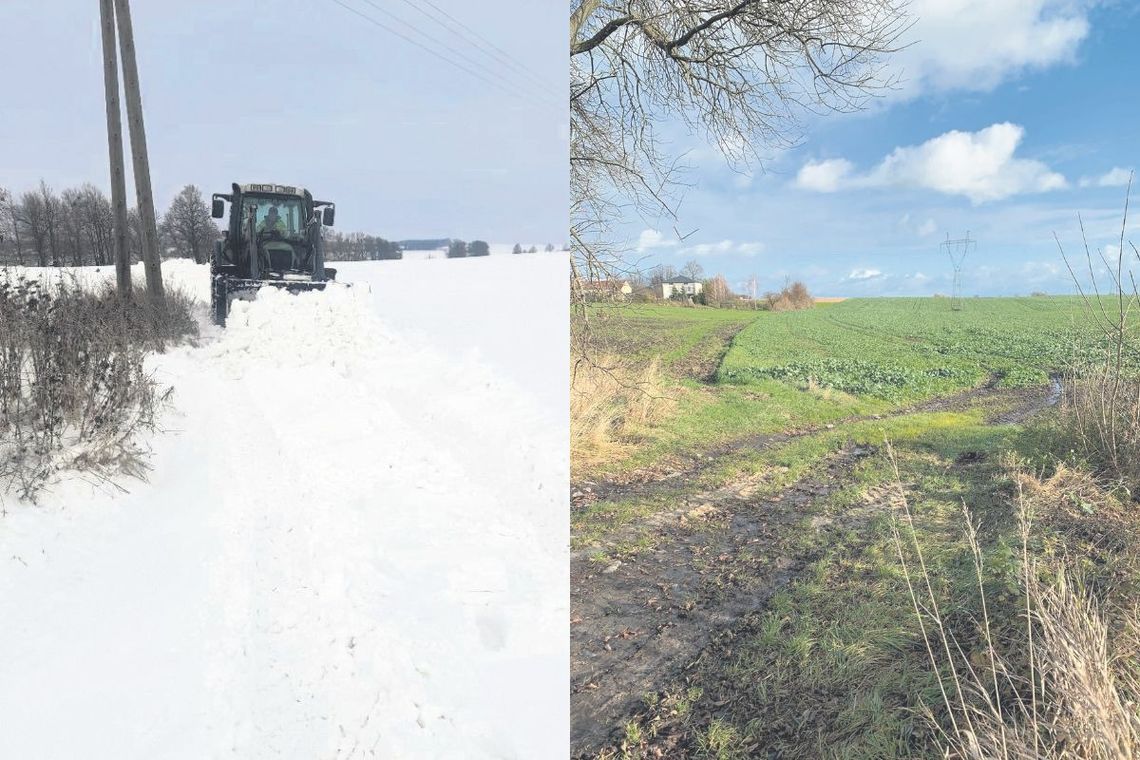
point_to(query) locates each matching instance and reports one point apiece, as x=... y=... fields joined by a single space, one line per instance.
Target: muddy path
x=1019 y=404
x=718 y=556
x=703 y=361
x=714 y=557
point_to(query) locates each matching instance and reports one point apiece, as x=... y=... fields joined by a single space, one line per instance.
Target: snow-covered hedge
x=74 y=391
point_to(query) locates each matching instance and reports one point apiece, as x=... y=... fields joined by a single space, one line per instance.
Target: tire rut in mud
x=1022 y=403
x=635 y=623
x=716 y=558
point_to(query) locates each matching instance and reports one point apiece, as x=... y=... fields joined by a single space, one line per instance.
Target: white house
x=681 y=285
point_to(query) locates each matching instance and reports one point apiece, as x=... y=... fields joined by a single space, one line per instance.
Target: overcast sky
x=308 y=92
x=1013 y=117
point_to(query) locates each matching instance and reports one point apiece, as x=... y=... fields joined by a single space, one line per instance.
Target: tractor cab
x=273 y=239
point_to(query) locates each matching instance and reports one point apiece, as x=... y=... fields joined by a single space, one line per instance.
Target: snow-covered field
x=353 y=541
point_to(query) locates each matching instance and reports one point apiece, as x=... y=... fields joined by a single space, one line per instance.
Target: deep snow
x=353 y=542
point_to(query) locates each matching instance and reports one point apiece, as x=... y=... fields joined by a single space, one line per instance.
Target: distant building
x=425 y=245
x=681 y=286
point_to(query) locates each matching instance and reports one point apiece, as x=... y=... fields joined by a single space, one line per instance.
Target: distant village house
x=680 y=286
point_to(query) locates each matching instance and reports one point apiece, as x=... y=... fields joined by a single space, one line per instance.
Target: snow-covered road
x=352 y=543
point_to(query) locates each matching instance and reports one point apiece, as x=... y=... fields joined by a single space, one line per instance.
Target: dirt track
x=1022 y=403
x=716 y=557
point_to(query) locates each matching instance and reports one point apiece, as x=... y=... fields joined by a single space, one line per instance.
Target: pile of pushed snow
x=353 y=541
x=327 y=327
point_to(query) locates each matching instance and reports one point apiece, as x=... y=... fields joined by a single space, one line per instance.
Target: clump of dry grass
x=1062 y=684
x=610 y=401
x=74 y=391
x=1101 y=414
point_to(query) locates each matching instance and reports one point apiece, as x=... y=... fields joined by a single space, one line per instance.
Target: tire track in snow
x=317 y=568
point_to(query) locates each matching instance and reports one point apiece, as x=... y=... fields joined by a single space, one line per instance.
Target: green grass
x=861 y=357
x=672 y=334
x=904 y=349
x=834 y=666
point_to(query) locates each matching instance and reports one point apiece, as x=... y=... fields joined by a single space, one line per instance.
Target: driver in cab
x=272 y=222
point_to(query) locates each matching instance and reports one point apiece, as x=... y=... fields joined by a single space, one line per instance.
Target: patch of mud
x=717 y=557
x=703 y=361
x=1020 y=404
x=715 y=560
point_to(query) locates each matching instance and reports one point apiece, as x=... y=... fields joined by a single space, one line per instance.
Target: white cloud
x=978 y=44
x=704 y=249
x=864 y=274
x=723 y=247
x=1036 y=272
x=652 y=239
x=979 y=165
x=1114 y=177
x=927 y=228
x=824 y=176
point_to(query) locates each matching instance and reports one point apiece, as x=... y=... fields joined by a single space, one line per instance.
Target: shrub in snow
x=74 y=391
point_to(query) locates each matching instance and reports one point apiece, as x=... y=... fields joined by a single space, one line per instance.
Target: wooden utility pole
x=115 y=146
x=151 y=262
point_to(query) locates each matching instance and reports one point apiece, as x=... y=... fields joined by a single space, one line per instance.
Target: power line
x=429 y=50
x=541 y=92
x=498 y=53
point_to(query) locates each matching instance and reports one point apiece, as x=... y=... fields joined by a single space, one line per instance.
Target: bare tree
x=71 y=225
x=661 y=273
x=188 y=226
x=97 y=220
x=716 y=289
x=34 y=219
x=10 y=222
x=693 y=270
x=740 y=72
x=51 y=214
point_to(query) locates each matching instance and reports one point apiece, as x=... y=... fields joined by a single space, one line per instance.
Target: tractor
x=273 y=240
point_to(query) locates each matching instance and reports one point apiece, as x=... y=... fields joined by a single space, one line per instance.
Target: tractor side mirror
x=219 y=208
x=328 y=215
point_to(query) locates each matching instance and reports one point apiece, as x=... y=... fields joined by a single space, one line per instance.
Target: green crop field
x=738 y=373
x=903 y=349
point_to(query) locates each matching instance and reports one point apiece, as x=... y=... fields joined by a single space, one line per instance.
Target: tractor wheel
x=220 y=302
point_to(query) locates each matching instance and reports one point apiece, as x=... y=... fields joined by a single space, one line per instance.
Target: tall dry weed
x=1101 y=409
x=610 y=402
x=1061 y=685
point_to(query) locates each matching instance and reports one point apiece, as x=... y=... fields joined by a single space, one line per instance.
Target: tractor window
x=280 y=214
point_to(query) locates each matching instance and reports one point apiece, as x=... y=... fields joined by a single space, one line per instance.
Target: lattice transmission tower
x=957 y=250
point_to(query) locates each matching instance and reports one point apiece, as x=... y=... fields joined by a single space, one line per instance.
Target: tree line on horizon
x=42 y=227
x=458 y=249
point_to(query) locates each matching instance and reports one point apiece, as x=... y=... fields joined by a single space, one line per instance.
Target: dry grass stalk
x=1063 y=688
x=610 y=401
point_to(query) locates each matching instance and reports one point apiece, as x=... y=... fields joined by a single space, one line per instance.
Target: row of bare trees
x=358 y=246
x=41 y=227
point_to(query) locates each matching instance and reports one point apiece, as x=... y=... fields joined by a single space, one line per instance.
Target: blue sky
x=1013 y=117
x=307 y=92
